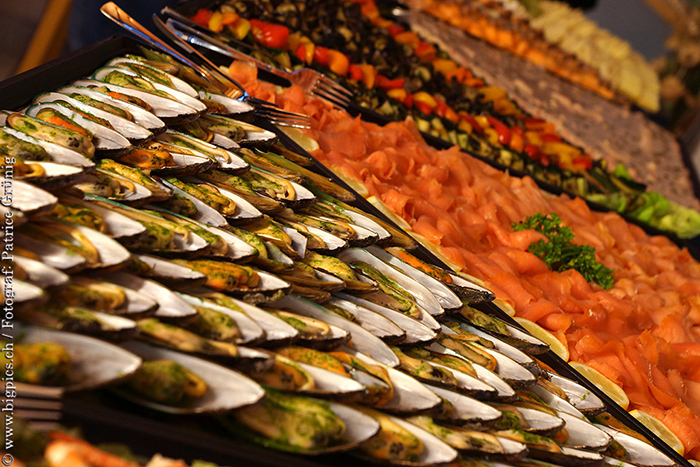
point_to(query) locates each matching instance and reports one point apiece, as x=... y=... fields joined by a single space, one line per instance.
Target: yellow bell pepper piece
x=216 y=21
x=492 y=93
x=398 y=94
x=408 y=37
x=422 y=96
x=338 y=62
x=465 y=126
x=239 y=28
x=533 y=138
x=492 y=136
x=562 y=151
x=483 y=122
x=444 y=65
x=293 y=41
x=369 y=75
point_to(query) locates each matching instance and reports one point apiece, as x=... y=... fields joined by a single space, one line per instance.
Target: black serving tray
x=549 y=358
x=106 y=418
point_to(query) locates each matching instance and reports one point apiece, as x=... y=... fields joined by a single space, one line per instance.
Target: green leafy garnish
x=559 y=254
x=621 y=172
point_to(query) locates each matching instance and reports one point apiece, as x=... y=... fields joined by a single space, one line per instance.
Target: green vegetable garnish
x=559 y=254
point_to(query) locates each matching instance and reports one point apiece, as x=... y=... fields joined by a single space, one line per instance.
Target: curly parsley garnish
x=559 y=254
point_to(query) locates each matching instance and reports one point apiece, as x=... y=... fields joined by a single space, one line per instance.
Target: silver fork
x=309 y=80
x=40 y=406
x=227 y=85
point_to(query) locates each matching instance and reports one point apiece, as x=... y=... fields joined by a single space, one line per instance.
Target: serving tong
x=210 y=73
x=311 y=81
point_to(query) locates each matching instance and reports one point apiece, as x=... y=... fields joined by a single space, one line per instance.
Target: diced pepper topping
x=268 y=34
x=425 y=51
x=550 y=138
x=422 y=106
x=338 y=62
x=517 y=142
x=395 y=29
x=321 y=56
x=355 y=73
x=382 y=82
x=239 y=28
x=472 y=122
x=202 y=17
x=408 y=37
x=583 y=162
x=369 y=75
x=504 y=134
x=424 y=97
x=399 y=94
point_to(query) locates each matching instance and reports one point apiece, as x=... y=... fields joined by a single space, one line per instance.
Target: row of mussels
x=231 y=279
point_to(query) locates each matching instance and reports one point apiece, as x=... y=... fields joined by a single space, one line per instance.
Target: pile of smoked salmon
x=642 y=333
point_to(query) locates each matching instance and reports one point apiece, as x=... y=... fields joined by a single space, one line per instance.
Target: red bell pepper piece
x=423 y=107
x=441 y=108
x=321 y=56
x=270 y=35
x=395 y=29
x=202 y=17
x=384 y=83
x=470 y=120
x=300 y=52
x=504 y=135
x=408 y=102
x=532 y=151
x=518 y=130
x=534 y=123
x=550 y=138
x=583 y=161
x=425 y=51
x=355 y=73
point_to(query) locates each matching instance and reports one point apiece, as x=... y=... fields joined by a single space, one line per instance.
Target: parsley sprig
x=559 y=254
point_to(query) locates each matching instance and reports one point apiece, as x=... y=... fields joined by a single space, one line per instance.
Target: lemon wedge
x=612 y=390
x=398 y=220
x=356 y=185
x=510 y=311
x=302 y=139
x=555 y=345
x=660 y=430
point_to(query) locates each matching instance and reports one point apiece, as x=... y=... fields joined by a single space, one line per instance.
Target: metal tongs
x=311 y=81
x=211 y=74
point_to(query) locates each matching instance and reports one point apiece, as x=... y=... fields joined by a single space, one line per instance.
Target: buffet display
x=169 y=250
x=395 y=73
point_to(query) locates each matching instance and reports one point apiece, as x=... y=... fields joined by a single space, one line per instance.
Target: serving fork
x=211 y=74
x=309 y=80
x=40 y=406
